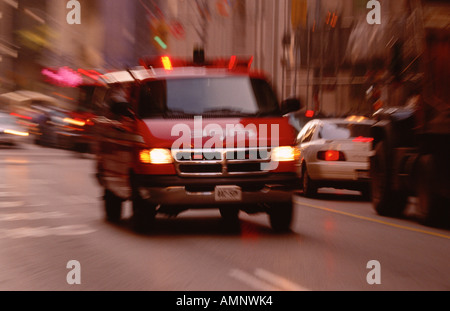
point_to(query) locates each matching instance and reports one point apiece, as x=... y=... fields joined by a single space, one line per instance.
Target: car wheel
x=280 y=216
x=309 y=187
x=143 y=214
x=113 y=207
x=430 y=205
x=386 y=201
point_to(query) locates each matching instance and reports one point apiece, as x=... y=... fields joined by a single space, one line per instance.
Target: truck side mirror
x=290 y=105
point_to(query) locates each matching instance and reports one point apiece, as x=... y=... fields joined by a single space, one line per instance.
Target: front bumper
x=201 y=192
x=339 y=171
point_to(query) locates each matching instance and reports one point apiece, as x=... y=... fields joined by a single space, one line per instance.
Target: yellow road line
x=372 y=219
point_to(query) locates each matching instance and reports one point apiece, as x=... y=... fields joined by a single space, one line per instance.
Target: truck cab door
x=116 y=145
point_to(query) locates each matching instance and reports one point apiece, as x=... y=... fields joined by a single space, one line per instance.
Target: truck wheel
x=143 y=215
x=309 y=187
x=386 y=201
x=366 y=192
x=229 y=213
x=113 y=207
x=280 y=216
x=429 y=207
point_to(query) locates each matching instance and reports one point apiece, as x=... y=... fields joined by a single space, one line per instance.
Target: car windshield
x=207 y=97
x=335 y=131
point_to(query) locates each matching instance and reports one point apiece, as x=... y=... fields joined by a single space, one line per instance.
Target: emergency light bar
x=168 y=63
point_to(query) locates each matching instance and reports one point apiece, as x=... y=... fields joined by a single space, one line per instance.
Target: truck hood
x=217 y=132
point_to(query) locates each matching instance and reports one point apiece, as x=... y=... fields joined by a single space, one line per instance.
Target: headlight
x=285 y=154
x=17 y=133
x=71 y=121
x=156 y=156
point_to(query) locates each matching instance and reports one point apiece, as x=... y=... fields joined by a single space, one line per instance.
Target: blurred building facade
x=340 y=64
x=35 y=36
x=8 y=48
x=322 y=51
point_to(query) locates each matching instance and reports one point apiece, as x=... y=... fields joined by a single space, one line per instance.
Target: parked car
x=55 y=128
x=11 y=133
x=335 y=153
x=30 y=109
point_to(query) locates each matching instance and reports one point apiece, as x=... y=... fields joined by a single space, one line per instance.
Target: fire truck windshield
x=207 y=97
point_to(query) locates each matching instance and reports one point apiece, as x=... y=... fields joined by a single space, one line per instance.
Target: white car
x=335 y=153
x=11 y=133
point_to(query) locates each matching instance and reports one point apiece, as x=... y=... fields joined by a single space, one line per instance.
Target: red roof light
x=166 y=63
x=232 y=64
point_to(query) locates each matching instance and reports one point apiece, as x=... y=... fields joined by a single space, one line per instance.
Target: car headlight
x=156 y=156
x=76 y=122
x=285 y=154
x=17 y=133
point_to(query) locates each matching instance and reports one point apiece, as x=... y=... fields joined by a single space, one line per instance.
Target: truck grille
x=227 y=162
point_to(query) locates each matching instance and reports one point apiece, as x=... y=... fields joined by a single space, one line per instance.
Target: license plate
x=228 y=193
x=363 y=174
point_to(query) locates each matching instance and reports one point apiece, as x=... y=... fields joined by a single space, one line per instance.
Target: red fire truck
x=179 y=135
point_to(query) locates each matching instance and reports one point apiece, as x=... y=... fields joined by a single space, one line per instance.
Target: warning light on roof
x=166 y=63
x=233 y=62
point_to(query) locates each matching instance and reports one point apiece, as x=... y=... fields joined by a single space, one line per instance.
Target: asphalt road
x=51 y=214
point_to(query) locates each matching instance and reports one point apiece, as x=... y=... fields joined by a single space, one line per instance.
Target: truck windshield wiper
x=178 y=113
x=268 y=113
x=226 y=111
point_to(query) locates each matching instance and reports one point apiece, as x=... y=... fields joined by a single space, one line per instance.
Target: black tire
x=366 y=192
x=430 y=209
x=38 y=140
x=280 y=216
x=386 y=201
x=113 y=207
x=229 y=213
x=144 y=214
x=308 y=185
